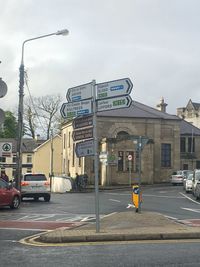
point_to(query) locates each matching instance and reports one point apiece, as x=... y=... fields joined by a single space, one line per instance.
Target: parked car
x=197 y=191
x=178 y=176
x=195 y=180
x=35 y=185
x=187 y=183
x=9 y=196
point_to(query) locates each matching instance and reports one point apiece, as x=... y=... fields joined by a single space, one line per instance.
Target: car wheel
x=47 y=198
x=15 y=203
x=36 y=198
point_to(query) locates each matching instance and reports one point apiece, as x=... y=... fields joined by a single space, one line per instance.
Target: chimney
x=162 y=105
x=37 y=137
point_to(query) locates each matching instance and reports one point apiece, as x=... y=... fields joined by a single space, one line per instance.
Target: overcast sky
x=155 y=43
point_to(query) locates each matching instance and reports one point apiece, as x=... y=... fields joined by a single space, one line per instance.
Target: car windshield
x=179 y=173
x=190 y=176
x=35 y=177
x=197 y=175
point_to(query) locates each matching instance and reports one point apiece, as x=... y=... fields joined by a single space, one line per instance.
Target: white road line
x=146 y=195
x=190 y=198
x=114 y=200
x=194 y=210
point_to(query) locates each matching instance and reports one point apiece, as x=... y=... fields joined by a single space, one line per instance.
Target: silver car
x=35 y=185
x=187 y=183
x=178 y=176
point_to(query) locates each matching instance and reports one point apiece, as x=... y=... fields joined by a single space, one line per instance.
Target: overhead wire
x=32 y=102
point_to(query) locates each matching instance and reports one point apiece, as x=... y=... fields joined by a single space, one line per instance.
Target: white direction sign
x=114 y=88
x=79 y=92
x=74 y=109
x=84 y=149
x=114 y=103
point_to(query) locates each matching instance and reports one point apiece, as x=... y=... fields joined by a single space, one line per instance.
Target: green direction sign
x=6 y=147
x=114 y=103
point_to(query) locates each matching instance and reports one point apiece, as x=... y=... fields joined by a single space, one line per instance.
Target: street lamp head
x=62 y=32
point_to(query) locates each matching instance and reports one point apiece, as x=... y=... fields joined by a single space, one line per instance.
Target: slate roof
x=138 y=110
x=196 y=105
x=187 y=128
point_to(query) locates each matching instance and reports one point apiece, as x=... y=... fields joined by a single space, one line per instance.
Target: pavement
x=123 y=226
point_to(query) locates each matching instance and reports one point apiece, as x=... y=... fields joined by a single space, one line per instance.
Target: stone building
x=118 y=132
x=190 y=113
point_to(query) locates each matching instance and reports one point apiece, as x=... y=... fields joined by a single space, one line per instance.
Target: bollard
x=136 y=197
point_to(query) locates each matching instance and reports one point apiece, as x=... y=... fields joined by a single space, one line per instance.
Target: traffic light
x=3 y=92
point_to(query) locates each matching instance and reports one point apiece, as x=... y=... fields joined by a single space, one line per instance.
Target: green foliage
x=9 y=127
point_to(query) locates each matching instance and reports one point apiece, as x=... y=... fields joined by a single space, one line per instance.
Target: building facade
x=190 y=113
x=47 y=157
x=8 y=158
x=118 y=132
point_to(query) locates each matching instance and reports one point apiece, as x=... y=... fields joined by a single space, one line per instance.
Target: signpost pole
x=140 y=167
x=96 y=160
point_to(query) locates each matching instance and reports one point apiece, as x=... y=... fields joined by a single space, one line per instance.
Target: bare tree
x=42 y=114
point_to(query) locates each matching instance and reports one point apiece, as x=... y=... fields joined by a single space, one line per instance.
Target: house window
x=166 y=155
x=29 y=158
x=64 y=141
x=79 y=162
x=191 y=144
x=28 y=170
x=69 y=137
x=183 y=144
x=73 y=156
x=14 y=159
x=2 y=159
x=120 y=160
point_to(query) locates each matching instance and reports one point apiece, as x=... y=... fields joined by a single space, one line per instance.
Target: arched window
x=122 y=135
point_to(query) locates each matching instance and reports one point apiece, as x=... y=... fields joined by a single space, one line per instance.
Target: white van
x=195 y=180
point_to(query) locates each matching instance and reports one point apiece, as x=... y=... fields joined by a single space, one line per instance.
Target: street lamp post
x=21 y=106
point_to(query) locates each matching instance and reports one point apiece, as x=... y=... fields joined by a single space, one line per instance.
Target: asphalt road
x=13 y=253
x=72 y=209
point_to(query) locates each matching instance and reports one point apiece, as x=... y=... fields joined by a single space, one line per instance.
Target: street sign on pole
x=79 y=92
x=114 y=88
x=114 y=103
x=85 y=148
x=74 y=109
x=82 y=122
x=82 y=134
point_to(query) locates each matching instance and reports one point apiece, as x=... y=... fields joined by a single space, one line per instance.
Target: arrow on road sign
x=74 y=109
x=114 y=103
x=85 y=148
x=79 y=92
x=114 y=88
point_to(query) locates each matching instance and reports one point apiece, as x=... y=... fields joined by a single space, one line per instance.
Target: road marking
x=190 y=198
x=114 y=200
x=193 y=210
x=146 y=195
x=130 y=206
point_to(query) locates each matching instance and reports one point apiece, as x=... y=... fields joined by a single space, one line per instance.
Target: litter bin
x=136 y=197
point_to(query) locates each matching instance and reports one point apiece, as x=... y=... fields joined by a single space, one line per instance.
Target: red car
x=9 y=196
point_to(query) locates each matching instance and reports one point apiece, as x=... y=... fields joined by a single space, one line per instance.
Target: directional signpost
x=82 y=134
x=74 y=109
x=79 y=92
x=85 y=148
x=114 y=88
x=81 y=122
x=114 y=103
x=88 y=99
